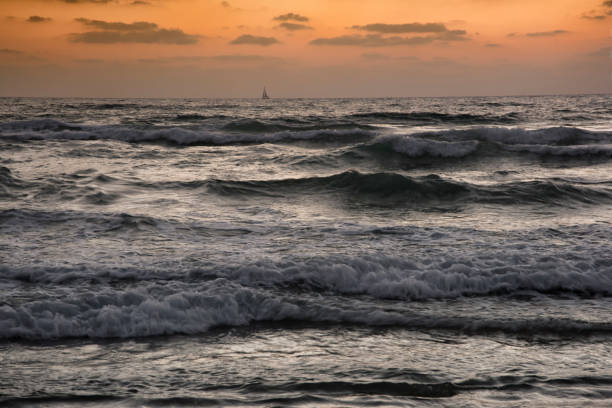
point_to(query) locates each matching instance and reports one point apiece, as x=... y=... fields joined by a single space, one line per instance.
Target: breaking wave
x=157 y=310
x=55 y=130
x=453 y=143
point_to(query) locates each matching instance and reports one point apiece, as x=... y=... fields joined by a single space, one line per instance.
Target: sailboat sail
x=265 y=94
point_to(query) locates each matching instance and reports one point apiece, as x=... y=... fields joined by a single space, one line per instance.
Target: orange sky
x=210 y=48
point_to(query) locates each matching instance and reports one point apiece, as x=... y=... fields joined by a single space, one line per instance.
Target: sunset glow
x=210 y=48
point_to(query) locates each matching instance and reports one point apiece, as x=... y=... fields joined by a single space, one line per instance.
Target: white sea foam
x=395 y=277
x=151 y=310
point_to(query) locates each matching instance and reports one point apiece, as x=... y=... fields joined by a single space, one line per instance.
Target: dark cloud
x=140 y=3
x=88 y=1
x=593 y=16
x=294 y=26
x=137 y=32
x=402 y=28
x=291 y=17
x=493 y=45
x=248 y=39
x=7 y=51
x=547 y=33
x=117 y=26
x=88 y=60
x=452 y=35
x=38 y=19
x=160 y=36
x=376 y=40
x=225 y=4
x=219 y=58
x=374 y=56
x=10 y=55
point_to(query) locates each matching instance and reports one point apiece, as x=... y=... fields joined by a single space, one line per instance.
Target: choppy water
x=344 y=252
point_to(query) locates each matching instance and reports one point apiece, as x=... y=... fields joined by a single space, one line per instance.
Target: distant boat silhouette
x=265 y=94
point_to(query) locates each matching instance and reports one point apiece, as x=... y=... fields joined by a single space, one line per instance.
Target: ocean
x=443 y=252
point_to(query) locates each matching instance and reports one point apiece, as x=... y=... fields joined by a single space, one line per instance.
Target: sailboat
x=265 y=94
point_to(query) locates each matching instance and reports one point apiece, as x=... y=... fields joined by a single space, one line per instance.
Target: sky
x=304 y=48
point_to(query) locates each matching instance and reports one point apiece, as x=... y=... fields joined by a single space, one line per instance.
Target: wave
x=421 y=147
x=398 y=189
x=161 y=310
x=38 y=125
x=188 y=117
x=503 y=266
x=290 y=124
x=48 y=129
x=451 y=143
x=438 y=118
x=9 y=184
x=571 y=151
x=459 y=143
x=384 y=189
x=555 y=136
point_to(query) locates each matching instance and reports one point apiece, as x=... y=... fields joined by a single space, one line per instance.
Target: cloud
x=88 y=60
x=87 y=1
x=371 y=40
x=240 y=58
x=547 y=33
x=291 y=17
x=374 y=56
x=137 y=32
x=226 y=4
x=248 y=39
x=161 y=36
x=140 y=3
x=117 y=26
x=593 y=17
x=452 y=35
x=376 y=40
x=7 y=51
x=294 y=26
x=9 y=55
x=493 y=45
x=38 y=19
x=402 y=28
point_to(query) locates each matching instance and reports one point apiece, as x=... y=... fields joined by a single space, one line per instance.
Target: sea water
x=302 y=252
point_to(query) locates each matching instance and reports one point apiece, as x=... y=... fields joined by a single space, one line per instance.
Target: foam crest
x=164 y=310
x=431 y=278
x=141 y=312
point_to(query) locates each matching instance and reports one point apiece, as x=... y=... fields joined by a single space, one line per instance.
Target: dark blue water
x=341 y=252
